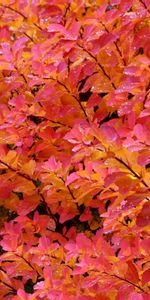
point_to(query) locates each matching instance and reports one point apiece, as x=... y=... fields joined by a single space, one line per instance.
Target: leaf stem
x=14 y=10
x=132 y=171
x=9 y=286
x=98 y=63
x=126 y=280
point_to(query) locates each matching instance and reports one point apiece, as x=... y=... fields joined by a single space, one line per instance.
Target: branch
x=70 y=192
x=126 y=280
x=9 y=286
x=115 y=43
x=47 y=207
x=65 y=14
x=14 y=10
x=132 y=171
x=19 y=13
x=69 y=92
x=25 y=176
x=100 y=66
x=17 y=171
x=144 y=4
x=28 y=263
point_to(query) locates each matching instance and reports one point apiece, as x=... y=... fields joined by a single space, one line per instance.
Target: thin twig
x=132 y=171
x=144 y=4
x=98 y=63
x=14 y=10
x=9 y=286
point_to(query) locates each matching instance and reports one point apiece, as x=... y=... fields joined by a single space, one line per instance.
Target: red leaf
x=105 y=39
x=146 y=277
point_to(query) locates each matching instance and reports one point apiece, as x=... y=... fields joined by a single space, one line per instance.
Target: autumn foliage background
x=74 y=149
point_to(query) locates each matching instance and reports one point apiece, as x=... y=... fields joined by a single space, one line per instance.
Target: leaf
x=97 y=84
x=135 y=296
x=146 y=277
x=52 y=164
x=102 y=41
x=143 y=217
x=29 y=167
x=71 y=178
x=132 y=273
x=57 y=28
x=28 y=204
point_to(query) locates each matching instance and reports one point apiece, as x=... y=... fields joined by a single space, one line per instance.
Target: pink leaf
x=109 y=132
x=44 y=243
x=71 y=178
x=52 y=164
x=57 y=28
x=135 y=296
x=19 y=44
x=22 y=294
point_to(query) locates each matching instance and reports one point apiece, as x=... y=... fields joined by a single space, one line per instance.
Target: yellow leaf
x=11 y=158
x=29 y=167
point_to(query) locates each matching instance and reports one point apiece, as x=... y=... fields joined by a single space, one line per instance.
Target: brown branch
x=28 y=36
x=47 y=208
x=115 y=43
x=144 y=4
x=17 y=171
x=38 y=26
x=132 y=171
x=65 y=14
x=99 y=65
x=70 y=192
x=9 y=286
x=22 y=75
x=19 y=13
x=29 y=264
x=69 y=92
x=126 y=280
x=14 y=10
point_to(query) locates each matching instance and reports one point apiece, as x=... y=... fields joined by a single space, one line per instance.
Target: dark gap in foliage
x=95 y=108
x=37 y=182
x=95 y=212
x=28 y=286
x=109 y=7
x=30 y=215
x=1 y=250
x=37 y=234
x=127 y=220
x=85 y=96
x=3 y=171
x=81 y=208
x=72 y=170
x=102 y=95
x=130 y=96
x=109 y=117
x=108 y=202
x=117 y=252
x=147 y=166
x=11 y=146
x=19 y=195
x=85 y=11
x=37 y=120
x=140 y=51
x=36 y=88
x=12 y=215
x=85 y=274
x=42 y=209
x=97 y=194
